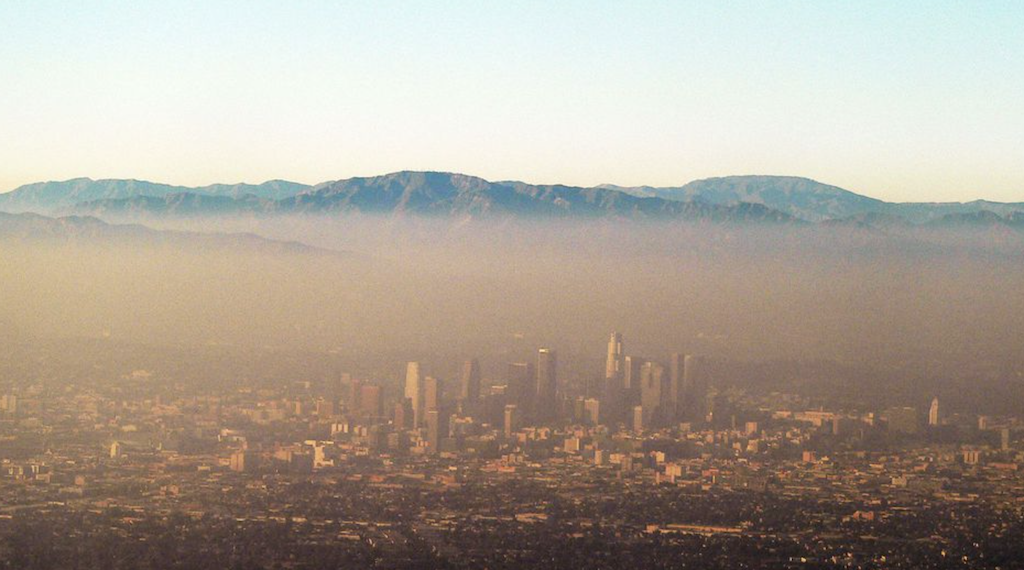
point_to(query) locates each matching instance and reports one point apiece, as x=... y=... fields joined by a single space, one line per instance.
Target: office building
x=437 y=429
x=901 y=420
x=403 y=415
x=352 y=396
x=545 y=404
x=631 y=373
x=613 y=364
x=511 y=420
x=639 y=419
x=371 y=403
x=414 y=392
x=592 y=411
x=432 y=393
x=653 y=393
x=694 y=391
x=469 y=388
x=676 y=366
x=519 y=385
x=933 y=413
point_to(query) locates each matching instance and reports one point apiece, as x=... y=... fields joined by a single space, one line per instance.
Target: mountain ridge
x=29 y=227
x=437 y=194
x=797 y=196
x=67 y=193
x=777 y=199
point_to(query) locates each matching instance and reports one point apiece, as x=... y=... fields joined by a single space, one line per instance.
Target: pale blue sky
x=899 y=100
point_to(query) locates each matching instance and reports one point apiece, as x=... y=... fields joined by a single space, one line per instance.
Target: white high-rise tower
x=934 y=416
x=414 y=392
x=613 y=367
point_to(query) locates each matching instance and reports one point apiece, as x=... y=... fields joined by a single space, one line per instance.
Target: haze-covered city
x=500 y=289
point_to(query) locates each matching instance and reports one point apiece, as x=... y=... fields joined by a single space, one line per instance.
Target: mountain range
x=36 y=228
x=771 y=199
x=47 y=196
x=811 y=200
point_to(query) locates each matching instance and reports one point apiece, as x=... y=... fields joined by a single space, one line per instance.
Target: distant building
x=694 y=396
x=519 y=385
x=902 y=420
x=676 y=367
x=437 y=430
x=613 y=365
x=352 y=396
x=511 y=420
x=933 y=413
x=371 y=401
x=414 y=392
x=547 y=385
x=403 y=414
x=492 y=406
x=639 y=419
x=653 y=393
x=622 y=391
x=338 y=388
x=243 y=461
x=592 y=410
x=324 y=408
x=432 y=393
x=469 y=387
x=844 y=426
x=320 y=457
x=631 y=373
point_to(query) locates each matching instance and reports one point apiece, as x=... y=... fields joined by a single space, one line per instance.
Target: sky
x=904 y=101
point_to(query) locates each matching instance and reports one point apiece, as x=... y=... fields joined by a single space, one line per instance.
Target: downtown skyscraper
x=613 y=364
x=546 y=405
x=694 y=388
x=414 y=392
x=469 y=385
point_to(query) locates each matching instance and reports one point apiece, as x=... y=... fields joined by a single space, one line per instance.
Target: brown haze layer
x=433 y=287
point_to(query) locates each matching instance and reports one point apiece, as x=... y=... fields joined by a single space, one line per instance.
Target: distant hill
x=811 y=200
x=924 y=212
x=979 y=220
x=870 y=220
x=184 y=204
x=799 y=197
x=767 y=199
x=85 y=230
x=43 y=197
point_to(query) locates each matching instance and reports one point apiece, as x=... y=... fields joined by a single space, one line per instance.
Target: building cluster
x=641 y=429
